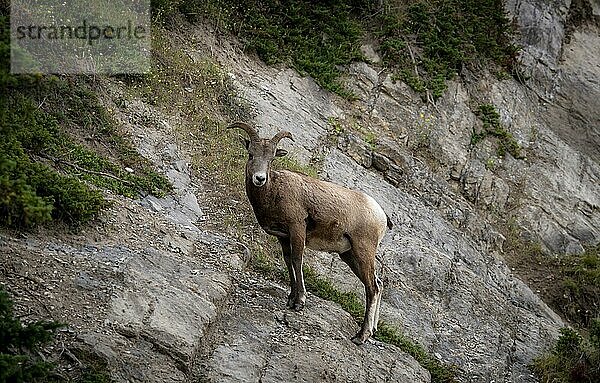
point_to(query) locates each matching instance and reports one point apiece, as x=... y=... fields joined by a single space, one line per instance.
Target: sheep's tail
x=390 y=224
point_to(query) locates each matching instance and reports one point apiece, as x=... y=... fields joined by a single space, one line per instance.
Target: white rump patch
x=377 y=211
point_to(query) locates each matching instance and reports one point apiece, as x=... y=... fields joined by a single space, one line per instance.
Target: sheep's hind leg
x=286 y=249
x=364 y=269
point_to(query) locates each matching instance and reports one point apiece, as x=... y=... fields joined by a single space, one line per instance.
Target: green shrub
x=19 y=203
x=316 y=38
x=425 y=42
x=580 y=294
x=492 y=126
x=33 y=193
x=428 y=42
x=19 y=342
x=42 y=167
x=19 y=345
x=573 y=358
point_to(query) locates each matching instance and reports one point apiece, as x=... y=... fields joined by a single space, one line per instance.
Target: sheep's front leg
x=286 y=249
x=297 y=239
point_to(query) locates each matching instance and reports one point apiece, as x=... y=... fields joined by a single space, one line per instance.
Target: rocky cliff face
x=445 y=280
x=161 y=295
x=560 y=44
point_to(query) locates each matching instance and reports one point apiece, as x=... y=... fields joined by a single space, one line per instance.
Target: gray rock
x=369 y=51
x=261 y=341
x=446 y=289
x=173 y=302
x=381 y=162
x=160 y=315
x=357 y=149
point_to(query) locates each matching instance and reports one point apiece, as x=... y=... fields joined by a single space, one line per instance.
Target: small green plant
x=493 y=127
x=371 y=140
x=573 y=359
x=440 y=373
x=325 y=289
x=335 y=123
x=425 y=125
x=491 y=164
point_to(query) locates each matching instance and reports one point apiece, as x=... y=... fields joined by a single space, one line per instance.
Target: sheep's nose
x=259 y=179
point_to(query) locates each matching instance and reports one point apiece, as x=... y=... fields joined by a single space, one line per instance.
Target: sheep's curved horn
x=252 y=133
x=281 y=135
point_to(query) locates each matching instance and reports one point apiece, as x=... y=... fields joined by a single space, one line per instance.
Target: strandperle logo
x=81 y=36
x=86 y=31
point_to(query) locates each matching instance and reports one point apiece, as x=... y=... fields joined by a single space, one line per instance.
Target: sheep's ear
x=280 y=153
x=245 y=142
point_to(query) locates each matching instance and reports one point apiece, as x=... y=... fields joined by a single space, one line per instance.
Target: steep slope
x=442 y=287
x=159 y=288
x=551 y=192
x=158 y=296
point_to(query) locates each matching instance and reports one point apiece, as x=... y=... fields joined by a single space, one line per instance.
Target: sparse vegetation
x=581 y=286
x=570 y=284
x=429 y=42
x=206 y=92
x=316 y=38
x=424 y=42
x=386 y=333
x=46 y=174
x=336 y=125
x=440 y=372
x=19 y=345
x=266 y=263
x=574 y=359
x=290 y=163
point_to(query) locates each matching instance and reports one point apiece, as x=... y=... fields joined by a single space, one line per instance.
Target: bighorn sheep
x=301 y=211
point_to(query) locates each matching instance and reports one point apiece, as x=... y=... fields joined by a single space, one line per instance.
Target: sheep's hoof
x=360 y=338
x=290 y=302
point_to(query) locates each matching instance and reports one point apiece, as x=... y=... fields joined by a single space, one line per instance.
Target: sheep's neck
x=257 y=195
x=261 y=199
